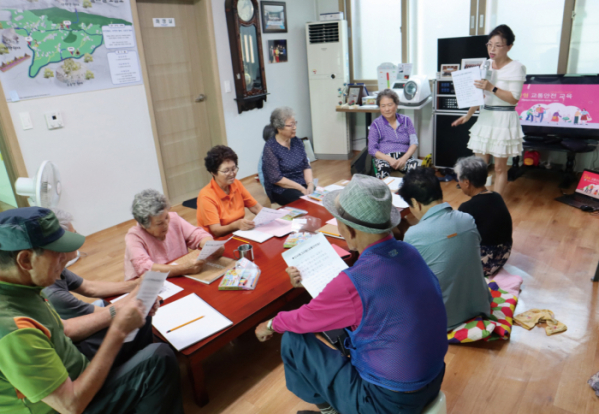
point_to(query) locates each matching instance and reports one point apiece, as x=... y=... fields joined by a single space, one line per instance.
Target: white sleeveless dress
x=499 y=132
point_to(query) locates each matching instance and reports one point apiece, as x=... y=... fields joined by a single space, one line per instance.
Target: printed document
x=466 y=93
x=210 y=247
x=168 y=289
x=317 y=262
x=266 y=215
x=151 y=285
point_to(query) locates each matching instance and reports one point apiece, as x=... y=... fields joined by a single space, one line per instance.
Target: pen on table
x=186 y=323
x=330 y=234
x=241 y=240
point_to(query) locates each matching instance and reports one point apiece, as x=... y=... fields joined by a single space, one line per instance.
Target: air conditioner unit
x=328 y=71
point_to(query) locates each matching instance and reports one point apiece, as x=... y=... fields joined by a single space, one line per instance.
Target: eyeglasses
x=491 y=46
x=227 y=172
x=292 y=125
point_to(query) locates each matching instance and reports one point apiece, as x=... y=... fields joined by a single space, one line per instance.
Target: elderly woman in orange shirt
x=221 y=204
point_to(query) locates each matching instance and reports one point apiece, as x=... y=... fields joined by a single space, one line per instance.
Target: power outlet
x=54 y=120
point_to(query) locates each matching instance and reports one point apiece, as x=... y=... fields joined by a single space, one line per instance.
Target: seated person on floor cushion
x=490 y=213
x=389 y=303
x=72 y=310
x=287 y=171
x=161 y=237
x=392 y=139
x=41 y=371
x=222 y=203
x=449 y=244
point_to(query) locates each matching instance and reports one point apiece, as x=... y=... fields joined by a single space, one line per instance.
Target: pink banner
x=568 y=106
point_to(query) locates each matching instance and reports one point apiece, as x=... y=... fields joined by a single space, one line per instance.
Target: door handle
x=201 y=98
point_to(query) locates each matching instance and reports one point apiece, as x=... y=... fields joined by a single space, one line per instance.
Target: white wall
x=105 y=153
x=287 y=84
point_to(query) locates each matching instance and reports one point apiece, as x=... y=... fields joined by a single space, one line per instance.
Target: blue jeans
x=318 y=374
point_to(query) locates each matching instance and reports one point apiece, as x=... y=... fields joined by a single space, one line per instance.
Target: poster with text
x=568 y=106
x=57 y=47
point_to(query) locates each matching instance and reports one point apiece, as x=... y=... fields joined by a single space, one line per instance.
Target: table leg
x=198 y=382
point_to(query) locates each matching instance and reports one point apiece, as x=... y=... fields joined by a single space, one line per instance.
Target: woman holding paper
x=161 y=237
x=497 y=131
x=222 y=203
x=287 y=171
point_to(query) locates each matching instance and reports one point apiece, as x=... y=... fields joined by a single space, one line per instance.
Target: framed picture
x=470 y=63
x=448 y=68
x=277 y=51
x=274 y=16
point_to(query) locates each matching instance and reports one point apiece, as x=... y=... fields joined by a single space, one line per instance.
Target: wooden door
x=173 y=62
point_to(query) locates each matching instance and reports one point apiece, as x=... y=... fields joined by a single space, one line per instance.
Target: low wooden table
x=246 y=309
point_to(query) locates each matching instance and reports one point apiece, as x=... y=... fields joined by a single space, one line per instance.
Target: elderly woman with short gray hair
x=491 y=215
x=392 y=139
x=287 y=172
x=160 y=237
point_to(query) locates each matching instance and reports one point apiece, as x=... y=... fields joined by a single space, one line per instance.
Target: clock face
x=245 y=10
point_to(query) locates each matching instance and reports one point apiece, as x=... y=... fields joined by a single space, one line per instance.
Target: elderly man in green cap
x=390 y=305
x=41 y=371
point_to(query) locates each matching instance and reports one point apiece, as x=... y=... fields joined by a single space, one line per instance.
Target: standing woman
x=287 y=172
x=497 y=131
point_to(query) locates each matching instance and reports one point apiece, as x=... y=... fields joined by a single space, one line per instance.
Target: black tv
x=454 y=49
x=564 y=106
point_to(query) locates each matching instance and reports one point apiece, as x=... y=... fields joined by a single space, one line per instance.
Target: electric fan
x=43 y=190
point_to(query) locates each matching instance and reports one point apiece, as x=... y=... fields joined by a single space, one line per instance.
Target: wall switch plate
x=26 y=120
x=227 y=87
x=54 y=120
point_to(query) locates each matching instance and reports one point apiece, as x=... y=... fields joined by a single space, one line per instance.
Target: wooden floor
x=556 y=250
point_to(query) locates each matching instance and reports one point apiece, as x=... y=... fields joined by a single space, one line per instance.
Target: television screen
x=589 y=184
x=560 y=105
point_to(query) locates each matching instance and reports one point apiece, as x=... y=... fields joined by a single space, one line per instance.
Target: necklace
x=482 y=192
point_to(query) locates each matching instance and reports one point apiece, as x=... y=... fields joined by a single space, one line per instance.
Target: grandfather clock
x=245 y=41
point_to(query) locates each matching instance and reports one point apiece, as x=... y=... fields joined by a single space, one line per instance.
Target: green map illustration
x=53 y=41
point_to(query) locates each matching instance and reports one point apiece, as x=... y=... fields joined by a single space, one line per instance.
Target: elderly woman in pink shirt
x=160 y=238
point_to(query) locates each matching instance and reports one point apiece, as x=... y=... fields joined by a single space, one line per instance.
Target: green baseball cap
x=31 y=227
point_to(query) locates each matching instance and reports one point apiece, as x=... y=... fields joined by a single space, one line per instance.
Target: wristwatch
x=495 y=89
x=269 y=325
x=112 y=311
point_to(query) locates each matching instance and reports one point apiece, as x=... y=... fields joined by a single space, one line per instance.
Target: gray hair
x=389 y=94
x=280 y=115
x=147 y=204
x=473 y=169
x=64 y=217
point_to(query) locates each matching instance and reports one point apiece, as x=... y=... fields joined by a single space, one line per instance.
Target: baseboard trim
x=334 y=156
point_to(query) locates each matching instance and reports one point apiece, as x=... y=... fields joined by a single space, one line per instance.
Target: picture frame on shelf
x=274 y=16
x=472 y=62
x=447 y=68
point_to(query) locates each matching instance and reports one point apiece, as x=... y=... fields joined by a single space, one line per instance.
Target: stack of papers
x=175 y=317
x=253 y=235
x=243 y=277
x=292 y=213
x=394 y=183
x=266 y=215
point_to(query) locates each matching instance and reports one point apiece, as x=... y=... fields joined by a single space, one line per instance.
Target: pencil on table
x=186 y=323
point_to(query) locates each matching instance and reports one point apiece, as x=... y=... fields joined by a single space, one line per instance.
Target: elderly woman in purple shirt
x=392 y=139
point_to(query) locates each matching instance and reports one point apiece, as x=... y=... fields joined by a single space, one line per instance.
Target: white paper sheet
x=184 y=310
x=393 y=183
x=317 y=262
x=253 y=235
x=332 y=222
x=334 y=187
x=399 y=202
x=311 y=200
x=277 y=228
x=168 y=289
x=466 y=93
x=151 y=285
x=210 y=247
x=266 y=215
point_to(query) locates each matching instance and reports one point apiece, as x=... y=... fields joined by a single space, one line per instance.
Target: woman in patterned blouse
x=287 y=172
